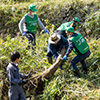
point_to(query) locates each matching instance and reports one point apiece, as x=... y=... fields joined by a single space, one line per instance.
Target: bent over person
x=30 y=21
x=74 y=23
x=15 y=78
x=78 y=44
x=55 y=45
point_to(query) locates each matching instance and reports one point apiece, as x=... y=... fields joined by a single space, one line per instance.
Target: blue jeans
x=80 y=58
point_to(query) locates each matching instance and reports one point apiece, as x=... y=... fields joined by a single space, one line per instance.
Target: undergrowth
x=62 y=85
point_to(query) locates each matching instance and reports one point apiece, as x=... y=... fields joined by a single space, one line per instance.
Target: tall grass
x=62 y=85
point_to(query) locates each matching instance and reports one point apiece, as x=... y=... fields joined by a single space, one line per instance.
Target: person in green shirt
x=30 y=21
x=74 y=23
x=78 y=44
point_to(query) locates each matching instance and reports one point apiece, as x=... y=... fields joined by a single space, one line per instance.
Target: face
x=31 y=12
x=17 y=60
x=68 y=33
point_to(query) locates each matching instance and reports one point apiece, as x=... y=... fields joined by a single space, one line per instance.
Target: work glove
x=46 y=31
x=24 y=81
x=24 y=33
x=64 y=58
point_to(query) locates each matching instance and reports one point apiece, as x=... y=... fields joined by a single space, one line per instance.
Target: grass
x=62 y=85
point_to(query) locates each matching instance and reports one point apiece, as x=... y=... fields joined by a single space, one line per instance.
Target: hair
x=14 y=55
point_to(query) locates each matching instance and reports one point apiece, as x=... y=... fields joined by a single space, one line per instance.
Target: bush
x=92 y=24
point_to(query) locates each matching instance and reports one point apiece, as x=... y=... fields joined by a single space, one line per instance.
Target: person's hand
x=29 y=75
x=24 y=33
x=24 y=81
x=64 y=58
x=46 y=31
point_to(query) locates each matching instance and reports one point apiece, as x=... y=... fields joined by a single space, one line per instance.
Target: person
x=30 y=21
x=15 y=78
x=74 y=23
x=79 y=45
x=55 y=45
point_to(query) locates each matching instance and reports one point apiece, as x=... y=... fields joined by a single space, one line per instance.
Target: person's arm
x=23 y=75
x=41 y=24
x=54 y=51
x=65 y=41
x=11 y=78
x=70 y=48
x=21 y=24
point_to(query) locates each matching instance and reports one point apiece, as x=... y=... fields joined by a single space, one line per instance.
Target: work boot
x=50 y=60
x=85 y=69
x=77 y=73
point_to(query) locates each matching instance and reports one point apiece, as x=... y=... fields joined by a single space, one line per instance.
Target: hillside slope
x=62 y=85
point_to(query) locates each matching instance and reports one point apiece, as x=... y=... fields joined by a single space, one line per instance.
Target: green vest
x=80 y=43
x=31 y=23
x=65 y=25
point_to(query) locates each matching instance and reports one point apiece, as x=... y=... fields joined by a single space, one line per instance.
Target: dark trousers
x=31 y=38
x=14 y=94
x=49 y=53
x=80 y=58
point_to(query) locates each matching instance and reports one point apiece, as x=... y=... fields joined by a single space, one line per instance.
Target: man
x=74 y=23
x=78 y=44
x=16 y=91
x=30 y=21
x=55 y=44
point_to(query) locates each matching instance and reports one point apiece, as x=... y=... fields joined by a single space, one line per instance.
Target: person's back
x=55 y=45
x=74 y=23
x=64 y=26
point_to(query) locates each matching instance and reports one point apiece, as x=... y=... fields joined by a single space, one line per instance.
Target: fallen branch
x=38 y=81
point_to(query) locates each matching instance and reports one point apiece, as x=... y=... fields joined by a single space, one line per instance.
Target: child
x=16 y=91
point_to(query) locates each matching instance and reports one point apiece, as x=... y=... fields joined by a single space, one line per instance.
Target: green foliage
x=92 y=23
x=57 y=12
x=62 y=85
